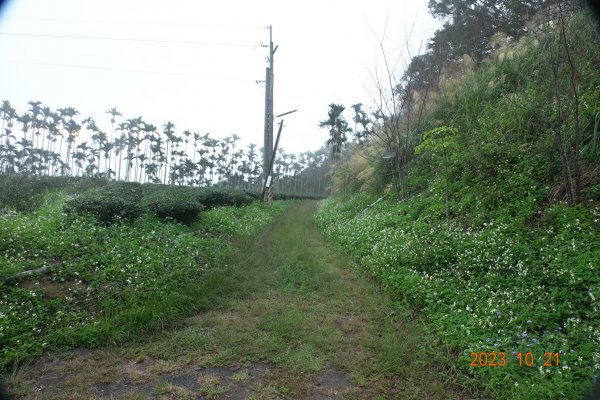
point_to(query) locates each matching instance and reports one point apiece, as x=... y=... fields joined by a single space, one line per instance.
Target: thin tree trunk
x=120 y=163
x=566 y=170
x=166 y=162
x=446 y=189
x=1 y=134
x=573 y=79
x=562 y=152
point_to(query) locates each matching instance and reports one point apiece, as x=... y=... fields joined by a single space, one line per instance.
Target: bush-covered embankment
x=484 y=237
x=495 y=287
x=112 y=262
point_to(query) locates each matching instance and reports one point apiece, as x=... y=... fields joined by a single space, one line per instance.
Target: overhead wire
x=189 y=42
x=130 y=22
x=126 y=70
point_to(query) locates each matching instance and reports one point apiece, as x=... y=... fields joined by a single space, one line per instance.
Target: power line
x=125 y=70
x=129 y=39
x=129 y=22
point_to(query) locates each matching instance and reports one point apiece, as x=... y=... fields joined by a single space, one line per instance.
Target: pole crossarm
x=285 y=113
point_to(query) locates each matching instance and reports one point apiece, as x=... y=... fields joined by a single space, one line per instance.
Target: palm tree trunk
x=166 y=162
x=120 y=164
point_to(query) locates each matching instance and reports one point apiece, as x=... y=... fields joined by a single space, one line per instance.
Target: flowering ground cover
x=494 y=287
x=106 y=283
x=294 y=320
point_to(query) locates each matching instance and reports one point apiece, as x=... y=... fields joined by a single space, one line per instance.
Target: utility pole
x=268 y=140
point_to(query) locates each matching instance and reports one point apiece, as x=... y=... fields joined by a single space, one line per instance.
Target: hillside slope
x=495 y=234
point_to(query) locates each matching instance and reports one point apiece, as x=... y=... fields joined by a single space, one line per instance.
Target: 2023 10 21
x=523 y=359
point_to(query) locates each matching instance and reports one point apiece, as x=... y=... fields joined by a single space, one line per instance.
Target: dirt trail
x=301 y=323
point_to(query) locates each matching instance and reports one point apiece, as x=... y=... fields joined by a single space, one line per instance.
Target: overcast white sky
x=327 y=53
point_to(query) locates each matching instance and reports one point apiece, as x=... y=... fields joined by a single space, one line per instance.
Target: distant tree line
x=42 y=141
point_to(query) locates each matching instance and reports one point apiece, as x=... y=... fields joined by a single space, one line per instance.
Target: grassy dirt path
x=294 y=321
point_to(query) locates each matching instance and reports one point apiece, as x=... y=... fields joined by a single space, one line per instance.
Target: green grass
x=300 y=306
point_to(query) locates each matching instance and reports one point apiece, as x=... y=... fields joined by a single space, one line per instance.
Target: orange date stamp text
x=498 y=359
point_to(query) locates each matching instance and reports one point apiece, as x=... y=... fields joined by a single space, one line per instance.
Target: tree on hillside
x=470 y=24
x=565 y=64
x=338 y=128
x=361 y=119
x=441 y=142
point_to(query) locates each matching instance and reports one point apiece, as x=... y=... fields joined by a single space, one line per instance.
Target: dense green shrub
x=212 y=198
x=173 y=203
x=254 y=195
x=25 y=193
x=81 y=184
x=284 y=196
x=115 y=201
x=241 y=199
x=289 y=196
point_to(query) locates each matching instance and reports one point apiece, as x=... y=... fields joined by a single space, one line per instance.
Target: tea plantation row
x=109 y=201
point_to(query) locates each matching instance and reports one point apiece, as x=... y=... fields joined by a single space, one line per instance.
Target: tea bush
x=24 y=193
x=229 y=221
x=291 y=196
x=115 y=201
x=173 y=203
x=212 y=198
x=125 y=201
